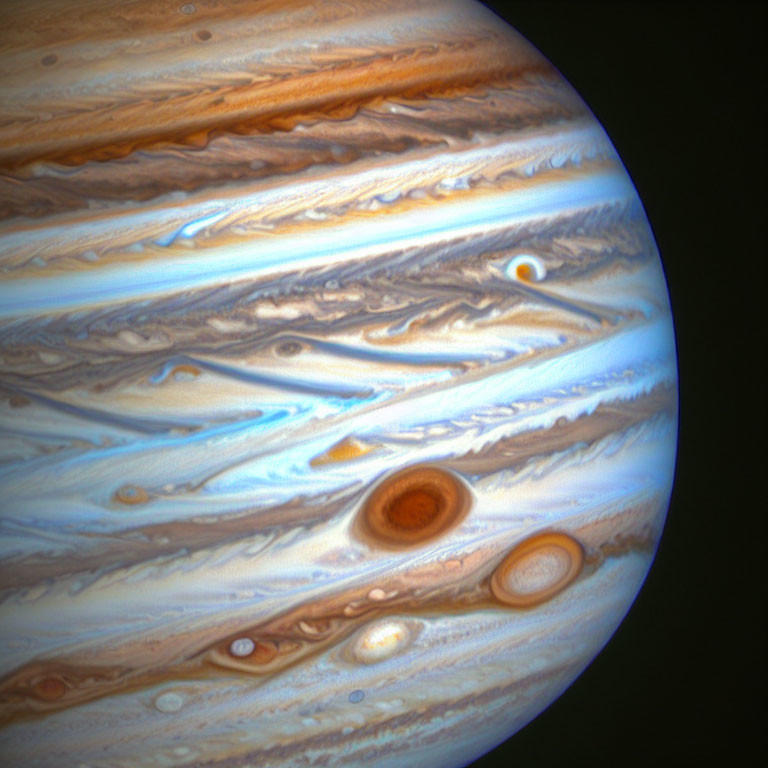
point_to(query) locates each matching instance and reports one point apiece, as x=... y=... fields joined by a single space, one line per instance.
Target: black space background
x=679 y=89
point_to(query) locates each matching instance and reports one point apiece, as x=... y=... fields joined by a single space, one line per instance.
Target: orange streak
x=266 y=104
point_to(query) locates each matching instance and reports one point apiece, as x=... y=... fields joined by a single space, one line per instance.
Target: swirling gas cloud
x=338 y=384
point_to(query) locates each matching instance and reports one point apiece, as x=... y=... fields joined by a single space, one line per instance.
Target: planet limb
x=338 y=384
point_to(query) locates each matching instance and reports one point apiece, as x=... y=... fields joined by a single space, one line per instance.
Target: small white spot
x=131 y=338
x=558 y=160
x=188 y=8
x=380 y=641
x=184 y=376
x=389 y=706
x=377 y=594
x=169 y=702
x=227 y=326
x=243 y=646
x=460 y=182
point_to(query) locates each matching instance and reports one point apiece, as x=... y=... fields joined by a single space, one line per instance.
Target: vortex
x=537 y=569
x=413 y=506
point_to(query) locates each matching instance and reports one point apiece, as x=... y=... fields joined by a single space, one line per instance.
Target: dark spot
x=204 y=35
x=19 y=401
x=49 y=60
x=218 y=101
x=356 y=696
x=288 y=348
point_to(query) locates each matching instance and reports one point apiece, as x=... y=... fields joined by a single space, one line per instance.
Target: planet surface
x=338 y=386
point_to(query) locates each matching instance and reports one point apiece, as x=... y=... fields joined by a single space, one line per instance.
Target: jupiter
x=338 y=385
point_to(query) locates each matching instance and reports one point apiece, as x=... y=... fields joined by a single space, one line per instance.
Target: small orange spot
x=524 y=271
x=185 y=371
x=131 y=494
x=264 y=652
x=49 y=689
x=345 y=450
